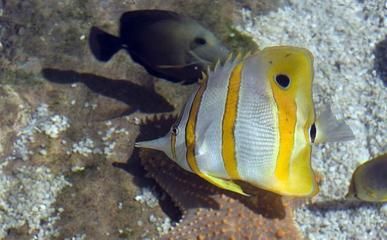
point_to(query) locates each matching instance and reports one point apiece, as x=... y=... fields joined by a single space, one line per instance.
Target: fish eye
x=200 y=41
x=174 y=130
x=282 y=80
x=312 y=133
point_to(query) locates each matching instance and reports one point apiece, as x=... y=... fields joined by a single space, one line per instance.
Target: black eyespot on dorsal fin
x=312 y=133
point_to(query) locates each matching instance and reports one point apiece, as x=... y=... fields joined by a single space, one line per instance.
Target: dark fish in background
x=167 y=44
x=369 y=181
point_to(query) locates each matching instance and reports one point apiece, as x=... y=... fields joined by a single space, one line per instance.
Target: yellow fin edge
x=224 y=184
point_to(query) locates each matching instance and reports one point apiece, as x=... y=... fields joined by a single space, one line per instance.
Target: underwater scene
x=192 y=119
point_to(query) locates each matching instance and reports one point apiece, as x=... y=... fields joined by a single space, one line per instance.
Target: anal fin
x=224 y=183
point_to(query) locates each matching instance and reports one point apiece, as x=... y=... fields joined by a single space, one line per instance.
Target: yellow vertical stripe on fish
x=286 y=123
x=287 y=112
x=190 y=138
x=229 y=120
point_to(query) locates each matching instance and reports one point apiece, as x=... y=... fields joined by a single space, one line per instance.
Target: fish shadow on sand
x=136 y=96
x=380 y=62
x=140 y=178
x=338 y=205
x=150 y=128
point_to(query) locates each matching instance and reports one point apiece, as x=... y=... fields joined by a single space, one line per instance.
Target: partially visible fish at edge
x=369 y=181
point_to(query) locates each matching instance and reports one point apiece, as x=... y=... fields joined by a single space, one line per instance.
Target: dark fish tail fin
x=103 y=45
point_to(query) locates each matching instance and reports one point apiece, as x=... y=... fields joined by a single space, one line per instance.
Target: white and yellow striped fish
x=253 y=120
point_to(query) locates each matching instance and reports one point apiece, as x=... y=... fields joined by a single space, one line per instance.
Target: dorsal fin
x=231 y=60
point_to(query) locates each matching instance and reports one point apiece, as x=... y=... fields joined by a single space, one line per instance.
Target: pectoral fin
x=224 y=184
x=329 y=129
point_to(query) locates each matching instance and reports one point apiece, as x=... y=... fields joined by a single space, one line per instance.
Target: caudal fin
x=329 y=129
x=103 y=45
